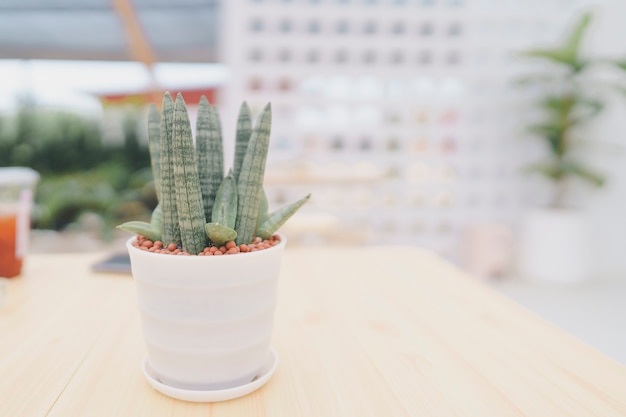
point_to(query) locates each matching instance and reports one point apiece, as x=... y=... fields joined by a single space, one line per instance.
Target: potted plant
x=553 y=241
x=206 y=266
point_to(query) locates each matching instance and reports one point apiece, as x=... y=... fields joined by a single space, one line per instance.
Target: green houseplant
x=554 y=237
x=207 y=321
x=571 y=99
x=198 y=206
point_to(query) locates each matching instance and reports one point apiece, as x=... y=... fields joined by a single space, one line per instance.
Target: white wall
x=607 y=207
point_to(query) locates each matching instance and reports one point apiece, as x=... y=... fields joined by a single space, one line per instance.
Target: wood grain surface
x=359 y=332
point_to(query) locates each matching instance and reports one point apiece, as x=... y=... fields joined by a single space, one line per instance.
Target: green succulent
x=198 y=204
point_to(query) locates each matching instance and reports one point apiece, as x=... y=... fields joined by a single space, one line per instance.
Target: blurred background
x=489 y=131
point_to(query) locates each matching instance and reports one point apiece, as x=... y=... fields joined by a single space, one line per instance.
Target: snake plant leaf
x=170 y=228
x=264 y=210
x=188 y=195
x=219 y=233
x=225 y=207
x=250 y=183
x=156 y=221
x=154 y=144
x=242 y=137
x=210 y=153
x=141 y=228
x=279 y=217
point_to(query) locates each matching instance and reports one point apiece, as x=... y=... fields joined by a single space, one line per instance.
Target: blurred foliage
x=80 y=173
x=571 y=98
x=60 y=142
x=110 y=190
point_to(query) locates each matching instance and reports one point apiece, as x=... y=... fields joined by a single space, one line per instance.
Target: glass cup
x=17 y=187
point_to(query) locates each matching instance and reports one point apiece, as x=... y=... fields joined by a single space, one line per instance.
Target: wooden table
x=360 y=332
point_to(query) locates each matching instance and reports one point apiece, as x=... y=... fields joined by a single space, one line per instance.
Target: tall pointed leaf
x=244 y=130
x=210 y=154
x=170 y=228
x=188 y=195
x=141 y=228
x=250 y=184
x=225 y=208
x=277 y=218
x=154 y=144
x=264 y=210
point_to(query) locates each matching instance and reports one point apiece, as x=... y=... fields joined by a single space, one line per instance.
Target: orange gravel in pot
x=230 y=248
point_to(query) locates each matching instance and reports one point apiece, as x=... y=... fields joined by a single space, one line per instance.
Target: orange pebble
x=223 y=249
x=212 y=249
x=231 y=244
x=208 y=254
x=158 y=244
x=147 y=244
x=233 y=251
x=217 y=253
x=243 y=248
x=171 y=247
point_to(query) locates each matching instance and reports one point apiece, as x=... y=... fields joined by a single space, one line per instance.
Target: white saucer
x=216 y=395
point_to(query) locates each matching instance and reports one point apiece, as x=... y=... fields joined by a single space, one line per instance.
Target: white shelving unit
x=398 y=115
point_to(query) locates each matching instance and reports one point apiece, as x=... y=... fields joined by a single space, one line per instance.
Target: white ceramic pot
x=207 y=321
x=553 y=246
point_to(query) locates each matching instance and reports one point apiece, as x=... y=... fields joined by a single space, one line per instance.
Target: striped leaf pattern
x=170 y=229
x=225 y=208
x=210 y=154
x=154 y=144
x=264 y=210
x=244 y=130
x=250 y=184
x=224 y=214
x=188 y=196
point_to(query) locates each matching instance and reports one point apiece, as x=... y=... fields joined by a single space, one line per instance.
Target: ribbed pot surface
x=207 y=321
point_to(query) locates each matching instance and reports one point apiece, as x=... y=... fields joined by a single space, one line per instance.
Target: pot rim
x=196 y=258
